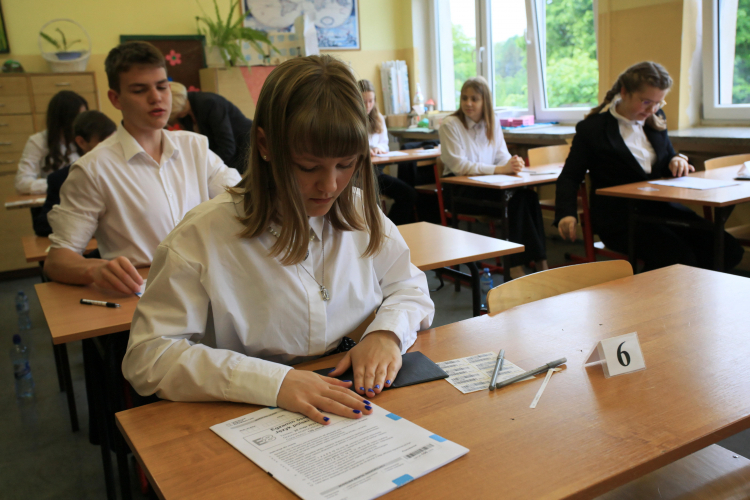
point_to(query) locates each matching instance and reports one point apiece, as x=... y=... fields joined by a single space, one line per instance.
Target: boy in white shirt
x=136 y=186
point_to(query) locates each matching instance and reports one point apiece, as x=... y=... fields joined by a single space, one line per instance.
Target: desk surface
x=520 y=135
x=411 y=155
x=519 y=181
x=433 y=246
x=719 y=197
x=35 y=248
x=69 y=320
x=25 y=201
x=588 y=434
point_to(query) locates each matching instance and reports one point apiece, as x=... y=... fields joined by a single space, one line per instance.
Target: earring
x=265 y=157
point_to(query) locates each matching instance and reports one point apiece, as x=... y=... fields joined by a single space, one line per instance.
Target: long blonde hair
x=480 y=86
x=308 y=105
x=634 y=79
x=374 y=122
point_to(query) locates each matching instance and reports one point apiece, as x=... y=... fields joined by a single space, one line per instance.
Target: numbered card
x=618 y=355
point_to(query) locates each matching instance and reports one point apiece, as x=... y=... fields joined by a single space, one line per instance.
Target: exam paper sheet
x=392 y=153
x=346 y=460
x=475 y=372
x=499 y=178
x=694 y=183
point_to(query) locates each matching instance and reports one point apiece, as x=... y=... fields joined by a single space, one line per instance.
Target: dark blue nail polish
x=388 y=382
x=326 y=419
x=377 y=386
x=346 y=380
x=368 y=408
x=370 y=390
x=356 y=411
x=366 y=402
x=362 y=389
x=332 y=370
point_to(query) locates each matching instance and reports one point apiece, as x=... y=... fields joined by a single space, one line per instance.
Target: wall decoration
x=184 y=54
x=336 y=21
x=4 y=47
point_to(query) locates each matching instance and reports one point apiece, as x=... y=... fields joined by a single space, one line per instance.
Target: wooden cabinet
x=24 y=99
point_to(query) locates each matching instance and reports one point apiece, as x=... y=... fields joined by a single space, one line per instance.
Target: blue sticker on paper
x=439 y=439
x=393 y=416
x=400 y=481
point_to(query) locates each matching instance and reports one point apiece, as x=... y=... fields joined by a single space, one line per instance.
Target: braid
x=611 y=93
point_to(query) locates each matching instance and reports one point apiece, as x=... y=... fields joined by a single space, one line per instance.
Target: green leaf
x=64 y=41
x=51 y=40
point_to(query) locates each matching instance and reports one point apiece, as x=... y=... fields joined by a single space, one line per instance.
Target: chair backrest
x=439 y=189
x=548 y=154
x=553 y=282
x=726 y=161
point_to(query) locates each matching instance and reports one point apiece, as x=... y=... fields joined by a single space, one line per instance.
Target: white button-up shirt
x=467 y=151
x=380 y=140
x=260 y=315
x=30 y=176
x=635 y=139
x=119 y=194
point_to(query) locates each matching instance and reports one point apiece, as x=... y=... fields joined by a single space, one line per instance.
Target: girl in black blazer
x=629 y=143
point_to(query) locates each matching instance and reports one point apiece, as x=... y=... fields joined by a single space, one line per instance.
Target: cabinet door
x=13 y=85
x=16 y=124
x=52 y=84
x=15 y=105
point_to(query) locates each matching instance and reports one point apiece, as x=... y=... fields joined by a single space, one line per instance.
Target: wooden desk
x=433 y=246
x=588 y=435
x=721 y=199
x=25 y=201
x=411 y=155
x=36 y=248
x=502 y=204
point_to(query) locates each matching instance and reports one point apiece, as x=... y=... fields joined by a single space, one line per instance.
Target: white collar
x=131 y=147
x=472 y=124
x=621 y=118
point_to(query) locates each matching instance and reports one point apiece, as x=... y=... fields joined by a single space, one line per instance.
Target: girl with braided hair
x=628 y=143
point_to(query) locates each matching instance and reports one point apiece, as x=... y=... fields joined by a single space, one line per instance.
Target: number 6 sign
x=618 y=355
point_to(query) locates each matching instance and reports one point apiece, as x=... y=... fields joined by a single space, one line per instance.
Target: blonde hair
x=374 y=122
x=308 y=105
x=480 y=86
x=179 y=98
x=634 y=79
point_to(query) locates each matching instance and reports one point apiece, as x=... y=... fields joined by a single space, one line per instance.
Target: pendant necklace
x=323 y=290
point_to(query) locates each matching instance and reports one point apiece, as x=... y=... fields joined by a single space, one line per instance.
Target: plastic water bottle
x=485 y=285
x=22 y=309
x=19 y=356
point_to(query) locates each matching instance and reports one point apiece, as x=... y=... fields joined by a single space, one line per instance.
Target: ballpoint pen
x=498 y=368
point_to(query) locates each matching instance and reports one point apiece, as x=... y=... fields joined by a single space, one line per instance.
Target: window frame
x=712 y=74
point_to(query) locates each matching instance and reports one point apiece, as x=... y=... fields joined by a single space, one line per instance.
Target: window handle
x=481 y=51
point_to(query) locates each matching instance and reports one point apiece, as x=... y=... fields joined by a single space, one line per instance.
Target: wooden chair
x=742 y=233
x=553 y=282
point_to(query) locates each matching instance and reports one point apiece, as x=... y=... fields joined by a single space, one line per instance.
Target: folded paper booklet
x=416 y=368
x=475 y=372
x=347 y=459
x=744 y=172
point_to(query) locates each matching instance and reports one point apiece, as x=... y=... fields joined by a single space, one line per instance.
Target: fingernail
x=377 y=386
x=356 y=411
x=368 y=408
x=370 y=390
x=366 y=402
x=346 y=380
x=362 y=389
x=388 y=382
x=326 y=419
x=332 y=370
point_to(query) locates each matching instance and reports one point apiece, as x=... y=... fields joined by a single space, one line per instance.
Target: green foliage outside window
x=741 y=83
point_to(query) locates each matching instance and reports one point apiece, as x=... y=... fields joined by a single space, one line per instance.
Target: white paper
x=544 y=386
x=345 y=460
x=694 y=183
x=744 y=171
x=426 y=151
x=143 y=288
x=23 y=203
x=475 y=372
x=621 y=354
x=499 y=178
x=393 y=153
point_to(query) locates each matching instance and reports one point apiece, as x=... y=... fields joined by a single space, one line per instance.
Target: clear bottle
x=418 y=96
x=22 y=309
x=485 y=285
x=19 y=356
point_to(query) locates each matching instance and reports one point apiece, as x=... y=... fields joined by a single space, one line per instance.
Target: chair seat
x=742 y=233
x=426 y=188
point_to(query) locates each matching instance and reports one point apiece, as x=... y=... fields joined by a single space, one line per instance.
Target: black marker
x=89 y=302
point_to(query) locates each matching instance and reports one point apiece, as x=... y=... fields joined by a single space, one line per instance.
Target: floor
x=42 y=459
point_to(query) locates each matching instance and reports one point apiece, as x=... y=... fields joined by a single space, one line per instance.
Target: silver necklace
x=323 y=290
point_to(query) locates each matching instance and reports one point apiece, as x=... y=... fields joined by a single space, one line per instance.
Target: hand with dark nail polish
x=362 y=389
x=326 y=419
x=366 y=402
x=377 y=386
x=388 y=382
x=368 y=408
x=370 y=390
x=356 y=411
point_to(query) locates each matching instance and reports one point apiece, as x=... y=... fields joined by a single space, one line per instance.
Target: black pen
x=89 y=302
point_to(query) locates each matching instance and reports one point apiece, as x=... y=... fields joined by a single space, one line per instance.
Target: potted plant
x=62 y=45
x=224 y=37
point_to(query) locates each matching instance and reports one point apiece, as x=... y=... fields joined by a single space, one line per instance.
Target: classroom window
x=726 y=59
x=539 y=56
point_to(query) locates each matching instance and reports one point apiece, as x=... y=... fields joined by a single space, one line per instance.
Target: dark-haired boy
x=89 y=129
x=137 y=185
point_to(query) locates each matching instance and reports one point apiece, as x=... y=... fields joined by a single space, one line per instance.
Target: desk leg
x=61 y=353
x=58 y=367
x=117 y=403
x=505 y=235
x=476 y=291
x=721 y=214
x=454 y=222
x=631 y=235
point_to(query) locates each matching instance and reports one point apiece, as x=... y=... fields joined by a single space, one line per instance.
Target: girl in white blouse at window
x=472 y=144
x=280 y=268
x=53 y=148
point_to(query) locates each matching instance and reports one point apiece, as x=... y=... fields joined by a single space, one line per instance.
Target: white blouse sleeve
x=220 y=177
x=380 y=140
x=164 y=356
x=453 y=152
x=502 y=155
x=407 y=306
x=28 y=179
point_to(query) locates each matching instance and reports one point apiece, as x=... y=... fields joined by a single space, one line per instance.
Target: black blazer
x=599 y=149
x=227 y=129
x=54 y=184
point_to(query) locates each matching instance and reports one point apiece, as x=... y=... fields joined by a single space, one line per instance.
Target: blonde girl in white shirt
x=472 y=143
x=403 y=195
x=280 y=268
x=53 y=148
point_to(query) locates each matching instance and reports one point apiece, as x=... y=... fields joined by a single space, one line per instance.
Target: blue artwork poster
x=336 y=21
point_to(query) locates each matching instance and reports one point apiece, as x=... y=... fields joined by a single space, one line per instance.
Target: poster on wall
x=184 y=54
x=4 y=47
x=336 y=21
